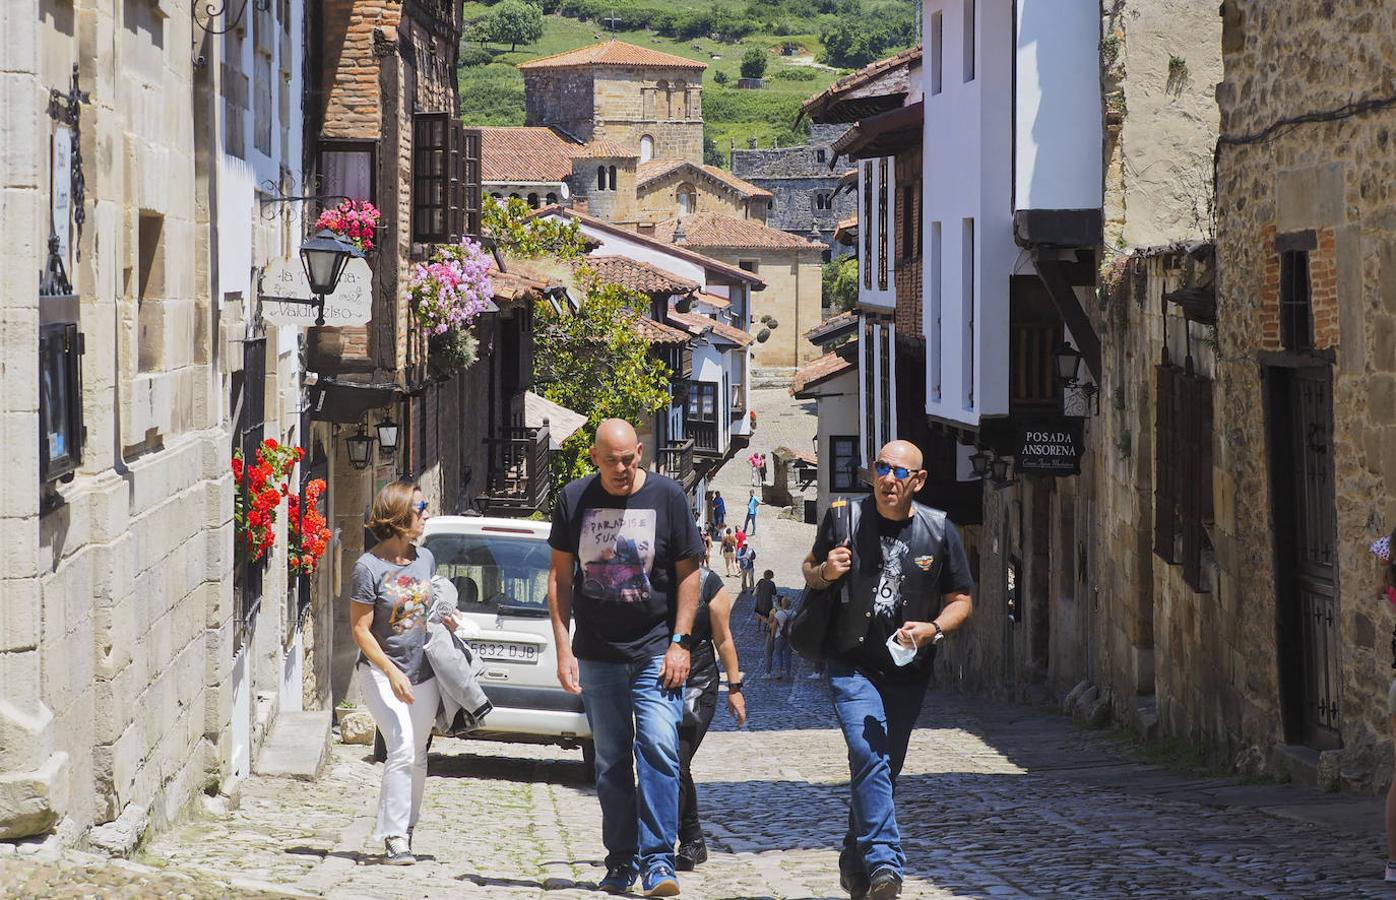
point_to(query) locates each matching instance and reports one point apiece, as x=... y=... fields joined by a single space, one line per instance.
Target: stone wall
x=794 y=175
x=621 y=104
x=1331 y=178
x=792 y=296
x=660 y=200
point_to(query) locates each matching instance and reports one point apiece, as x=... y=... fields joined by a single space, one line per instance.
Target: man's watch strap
x=734 y=687
x=683 y=640
x=939 y=635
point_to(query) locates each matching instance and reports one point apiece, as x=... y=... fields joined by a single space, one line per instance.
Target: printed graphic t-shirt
x=624 y=587
x=401 y=599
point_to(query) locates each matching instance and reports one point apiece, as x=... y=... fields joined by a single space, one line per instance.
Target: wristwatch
x=683 y=640
x=940 y=634
x=734 y=687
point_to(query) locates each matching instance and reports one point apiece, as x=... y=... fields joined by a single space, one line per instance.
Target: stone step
x=772 y=377
x=298 y=746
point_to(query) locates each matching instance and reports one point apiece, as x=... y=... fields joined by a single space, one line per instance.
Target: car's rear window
x=494 y=574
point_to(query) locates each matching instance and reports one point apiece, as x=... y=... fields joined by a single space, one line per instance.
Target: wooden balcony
x=705 y=437
x=675 y=459
x=738 y=402
x=520 y=472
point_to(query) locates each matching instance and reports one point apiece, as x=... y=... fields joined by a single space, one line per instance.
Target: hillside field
x=492 y=91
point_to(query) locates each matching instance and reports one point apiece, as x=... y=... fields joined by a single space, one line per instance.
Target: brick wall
x=1323 y=291
x=352 y=29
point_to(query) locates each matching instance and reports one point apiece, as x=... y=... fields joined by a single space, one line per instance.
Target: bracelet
x=734 y=688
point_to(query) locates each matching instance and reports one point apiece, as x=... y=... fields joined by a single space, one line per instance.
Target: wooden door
x=1301 y=440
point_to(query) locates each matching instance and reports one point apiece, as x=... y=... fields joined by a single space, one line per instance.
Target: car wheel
x=589 y=761
x=380 y=747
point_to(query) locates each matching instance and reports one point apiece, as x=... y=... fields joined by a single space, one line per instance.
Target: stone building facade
x=648 y=102
x=806 y=199
x=131 y=672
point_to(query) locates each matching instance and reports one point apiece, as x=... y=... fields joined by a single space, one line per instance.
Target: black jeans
x=700 y=704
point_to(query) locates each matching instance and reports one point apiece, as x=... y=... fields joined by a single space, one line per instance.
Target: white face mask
x=900 y=655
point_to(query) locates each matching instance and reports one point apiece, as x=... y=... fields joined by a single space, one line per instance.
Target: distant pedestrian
x=719 y=517
x=780 y=640
x=905 y=585
x=626 y=557
x=746 y=560
x=765 y=596
x=752 y=504
x=740 y=537
x=755 y=461
x=712 y=641
x=762 y=467
x=729 y=551
x=707 y=548
x=391 y=599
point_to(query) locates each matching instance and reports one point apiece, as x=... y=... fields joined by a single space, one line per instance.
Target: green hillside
x=492 y=89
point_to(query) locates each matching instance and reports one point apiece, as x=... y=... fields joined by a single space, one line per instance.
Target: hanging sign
x=63 y=192
x=350 y=304
x=1050 y=447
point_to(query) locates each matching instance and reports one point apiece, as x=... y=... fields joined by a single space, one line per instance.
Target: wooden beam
x=1068 y=305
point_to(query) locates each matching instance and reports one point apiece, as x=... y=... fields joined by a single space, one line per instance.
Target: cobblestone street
x=995 y=801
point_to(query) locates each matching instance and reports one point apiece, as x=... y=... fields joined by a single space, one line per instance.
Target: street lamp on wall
x=387 y=436
x=1068 y=363
x=979 y=462
x=1079 y=398
x=359 y=447
x=325 y=255
x=998 y=472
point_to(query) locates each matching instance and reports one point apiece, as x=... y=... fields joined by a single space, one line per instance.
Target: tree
x=712 y=156
x=515 y=22
x=840 y=281
x=754 y=63
x=521 y=234
x=595 y=362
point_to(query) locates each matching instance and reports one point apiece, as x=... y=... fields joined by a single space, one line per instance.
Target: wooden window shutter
x=1197 y=508
x=471 y=181
x=431 y=177
x=1165 y=512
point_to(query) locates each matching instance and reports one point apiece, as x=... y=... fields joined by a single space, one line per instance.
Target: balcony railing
x=1033 y=386
x=520 y=472
x=675 y=459
x=704 y=436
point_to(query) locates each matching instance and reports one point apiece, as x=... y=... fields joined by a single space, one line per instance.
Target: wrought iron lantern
x=1068 y=363
x=325 y=255
x=979 y=462
x=998 y=471
x=387 y=436
x=359 y=447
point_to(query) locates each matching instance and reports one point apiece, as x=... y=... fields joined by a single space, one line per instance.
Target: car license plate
x=503 y=651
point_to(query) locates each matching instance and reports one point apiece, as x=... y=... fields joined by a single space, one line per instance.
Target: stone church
x=616 y=131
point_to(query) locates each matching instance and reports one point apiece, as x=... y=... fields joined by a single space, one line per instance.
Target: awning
x=347 y=402
x=562 y=422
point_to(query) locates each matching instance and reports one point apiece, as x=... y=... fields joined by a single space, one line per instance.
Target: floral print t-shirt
x=401 y=599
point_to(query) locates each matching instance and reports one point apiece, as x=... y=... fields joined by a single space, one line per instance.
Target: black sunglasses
x=882 y=467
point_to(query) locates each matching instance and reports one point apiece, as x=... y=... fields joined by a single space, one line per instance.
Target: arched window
x=601 y=178
x=532 y=201
x=613 y=178
x=646 y=148
x=515 y=197
x=497 y=195
x=688 y=199
x=552 y=199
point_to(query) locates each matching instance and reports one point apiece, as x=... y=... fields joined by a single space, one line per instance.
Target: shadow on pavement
x=568 y=772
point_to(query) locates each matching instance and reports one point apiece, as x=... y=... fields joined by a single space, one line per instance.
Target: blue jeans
x=876 y=720
x=782 y=656
x=635 y=727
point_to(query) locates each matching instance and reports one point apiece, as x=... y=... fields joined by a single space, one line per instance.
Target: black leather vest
x=925 y=538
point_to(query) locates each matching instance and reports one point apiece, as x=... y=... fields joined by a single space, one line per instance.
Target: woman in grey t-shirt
x=391 y=593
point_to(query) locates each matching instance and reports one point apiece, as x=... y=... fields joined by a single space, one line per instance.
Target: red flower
x=237 y=469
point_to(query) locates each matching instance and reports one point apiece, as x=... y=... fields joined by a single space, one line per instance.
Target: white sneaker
x=1391 y=871
x=815 y=675
x=399 y=852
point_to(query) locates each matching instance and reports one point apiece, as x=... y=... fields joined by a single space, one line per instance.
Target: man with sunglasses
x=903 y=584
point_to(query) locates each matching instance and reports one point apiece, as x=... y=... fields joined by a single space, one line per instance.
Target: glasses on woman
x=882 y=468
x=420 y=506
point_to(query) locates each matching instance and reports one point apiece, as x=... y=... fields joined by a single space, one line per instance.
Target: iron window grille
x=249 y=392
x=1183 y=480
x=61 y=346
x=1296 y=309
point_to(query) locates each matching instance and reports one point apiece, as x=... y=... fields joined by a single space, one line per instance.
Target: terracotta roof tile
x=730 y=232
x=658 y=332
x=613 y=53
x=714 y=265
x=640 y=276
x=697 y=323
x=819 y=371
x=712 y=300
x=603 y=148
x=647 y=173
x=525 y=153
x=831 y=325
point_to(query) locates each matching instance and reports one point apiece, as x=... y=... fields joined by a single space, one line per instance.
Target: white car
x=500 y=571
